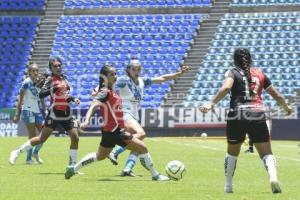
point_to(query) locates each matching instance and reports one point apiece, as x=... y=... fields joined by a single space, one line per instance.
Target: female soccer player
x=131 y=90
x=246 y=115
x=31 y=112
x=113 y=129
x=59 y=113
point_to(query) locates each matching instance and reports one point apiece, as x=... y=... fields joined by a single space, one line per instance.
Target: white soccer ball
x=204 y=136
x=175 y=170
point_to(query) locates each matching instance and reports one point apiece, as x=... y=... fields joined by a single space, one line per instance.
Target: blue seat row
x=84 y=4
x=273 y=39
x=16 y=37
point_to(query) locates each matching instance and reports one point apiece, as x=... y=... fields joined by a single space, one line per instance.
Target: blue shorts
x=32 y=118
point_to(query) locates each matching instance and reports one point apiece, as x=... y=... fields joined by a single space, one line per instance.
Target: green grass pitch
x=203 y=180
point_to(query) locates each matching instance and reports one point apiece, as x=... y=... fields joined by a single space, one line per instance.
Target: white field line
x=212 y=148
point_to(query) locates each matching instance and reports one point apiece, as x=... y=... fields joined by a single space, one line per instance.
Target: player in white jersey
x=131 y=90
x=31 y=112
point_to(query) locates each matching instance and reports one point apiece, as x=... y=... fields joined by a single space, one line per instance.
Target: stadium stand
x=86 y=4
x=264 y=2
x=16 y=36
x=273 y=39
x=159 y=41
x=22 y=4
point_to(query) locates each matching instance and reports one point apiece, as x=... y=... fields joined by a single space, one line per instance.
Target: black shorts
x=66 y=124
x=240 y=123
x=110 y=139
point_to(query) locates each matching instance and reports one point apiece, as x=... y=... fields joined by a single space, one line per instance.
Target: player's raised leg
x=46 y=132
x=88 y=159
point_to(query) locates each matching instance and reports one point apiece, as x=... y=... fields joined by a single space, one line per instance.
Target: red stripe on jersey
x=59 y=99
x=257 y=85
x=111 y=112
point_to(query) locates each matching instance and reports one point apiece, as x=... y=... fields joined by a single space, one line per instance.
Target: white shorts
x=128 y=116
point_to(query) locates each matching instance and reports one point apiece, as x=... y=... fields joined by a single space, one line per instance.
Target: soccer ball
x=204 y=136
x=175 y=170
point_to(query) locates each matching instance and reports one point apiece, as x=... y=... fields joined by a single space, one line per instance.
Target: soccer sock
x=118 y=150
x=73 y=157
x=147 y=163
x=229 y=166
x=86 y=160
x=270 y=165
x=29 y=154
x=131 y=160
x=37 y=148
x=25 y=147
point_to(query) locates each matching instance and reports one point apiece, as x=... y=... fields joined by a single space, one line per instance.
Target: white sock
x=25 y=147
x=147 y=163
x=86 y=160
x=270 y=165
x=73 y=157
x=229 y=166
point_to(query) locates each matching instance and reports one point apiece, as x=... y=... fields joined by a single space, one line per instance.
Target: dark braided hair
x=53 y=60
x=103 y=73
x=243 y=60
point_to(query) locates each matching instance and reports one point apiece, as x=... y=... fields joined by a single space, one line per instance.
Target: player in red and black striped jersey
x=113 y=132
x=59 y=113
x=245 y=84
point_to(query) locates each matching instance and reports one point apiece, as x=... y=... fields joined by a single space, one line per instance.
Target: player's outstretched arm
x=279 y=99
x=223 y=91
x=172 y=76
x=90 y=113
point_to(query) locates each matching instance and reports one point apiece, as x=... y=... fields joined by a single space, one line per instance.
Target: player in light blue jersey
x=31 y=112
x=131 y=90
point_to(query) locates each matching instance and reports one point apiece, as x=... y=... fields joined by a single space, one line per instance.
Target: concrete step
x=41 y=55
x=47 y=34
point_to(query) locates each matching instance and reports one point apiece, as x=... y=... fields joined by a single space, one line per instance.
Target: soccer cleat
x=13 y=157
x=113 y=158
x=126 y=173
x=275 y=187
x=29 y=162
x=69 y=172
x=37 y=158
x=160 y=177
x=228 y=189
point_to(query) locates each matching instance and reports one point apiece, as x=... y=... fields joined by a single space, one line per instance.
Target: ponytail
x=242 y=59
x=103 y=73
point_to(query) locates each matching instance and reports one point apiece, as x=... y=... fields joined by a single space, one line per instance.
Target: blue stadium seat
x=84 y=4
x=120 y=38
x=273 y=39
x=16 y=38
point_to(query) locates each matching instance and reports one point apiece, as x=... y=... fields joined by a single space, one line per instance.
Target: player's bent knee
x=140 y=135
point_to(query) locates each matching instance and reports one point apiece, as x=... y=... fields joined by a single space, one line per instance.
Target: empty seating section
x=87 y=42
x=274 y=41
x=22 y=4
x=86 y=4
x=263 y=2
x=16 y=37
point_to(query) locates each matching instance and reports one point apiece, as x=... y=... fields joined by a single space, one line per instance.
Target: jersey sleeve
x=147 y=81
x=121 y=82
x=229 y=74
x=267 y=82
x=102 y=96
x=25 y=85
